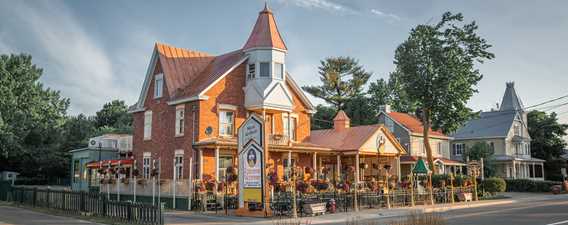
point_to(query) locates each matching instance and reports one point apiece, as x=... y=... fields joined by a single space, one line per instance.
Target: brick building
x=192 y=103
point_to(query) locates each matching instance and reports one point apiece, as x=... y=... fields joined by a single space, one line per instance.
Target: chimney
x=341 y=121
x=385 y=108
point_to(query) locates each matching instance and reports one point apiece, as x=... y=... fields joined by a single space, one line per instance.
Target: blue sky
x=96 y=51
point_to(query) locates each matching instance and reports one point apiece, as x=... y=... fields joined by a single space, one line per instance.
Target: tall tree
x=342 y=79
x=31 y=116
x=392 y=93
x=437 y=71
x=115 y=117
x=546 y=135
x=323 y=118
x=547 y=142
x=482 y=150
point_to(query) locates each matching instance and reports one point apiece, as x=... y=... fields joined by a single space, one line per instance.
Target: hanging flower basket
x=135 y=173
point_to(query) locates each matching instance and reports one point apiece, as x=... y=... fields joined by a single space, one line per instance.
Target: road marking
x=561 y=222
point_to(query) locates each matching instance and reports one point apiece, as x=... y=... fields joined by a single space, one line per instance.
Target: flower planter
x=314 y=208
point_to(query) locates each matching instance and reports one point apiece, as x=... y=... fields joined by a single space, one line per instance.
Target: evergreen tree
x=342 y=79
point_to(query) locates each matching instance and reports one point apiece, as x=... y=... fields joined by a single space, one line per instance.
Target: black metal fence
x=281 y=203
x=88 y=204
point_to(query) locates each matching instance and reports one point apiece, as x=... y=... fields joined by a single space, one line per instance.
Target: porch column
x=338 y=169
x=315 y=165
x=542 y=169
x=357 y=169
x=201 y=164
x=514 y=170
x=217 y=163
x=398 y=167
x=289 y=165
x=289 y=130
x=533 y=170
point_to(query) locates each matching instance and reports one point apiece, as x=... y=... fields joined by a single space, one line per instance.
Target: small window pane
x=264 y=69
x=251 y=71
x=279 y=70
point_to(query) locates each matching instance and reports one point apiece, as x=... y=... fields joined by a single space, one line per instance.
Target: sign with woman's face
x=251 y=158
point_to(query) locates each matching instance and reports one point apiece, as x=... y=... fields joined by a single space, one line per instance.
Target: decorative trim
x=179 y=152
x=189 y=99
x=299 y=91
x=202 y=93
x=227 y=107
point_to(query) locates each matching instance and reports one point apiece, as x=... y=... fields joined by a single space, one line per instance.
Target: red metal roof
x=181 y=66
x=341 y=116
x=347 y=139
x=265 y=33
x=412 y=123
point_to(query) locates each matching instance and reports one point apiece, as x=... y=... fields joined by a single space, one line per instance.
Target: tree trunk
x=426 y=138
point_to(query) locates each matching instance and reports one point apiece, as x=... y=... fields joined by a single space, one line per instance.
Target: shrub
x=524 y=185
x=494 y=185
x=439 y=180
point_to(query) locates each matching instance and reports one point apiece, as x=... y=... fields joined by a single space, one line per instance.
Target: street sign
x=251 y=160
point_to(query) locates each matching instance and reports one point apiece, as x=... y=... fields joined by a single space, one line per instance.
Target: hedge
x=494 y=185
x=524 y=185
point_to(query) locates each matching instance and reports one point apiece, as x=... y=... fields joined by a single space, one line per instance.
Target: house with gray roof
x=506 y=131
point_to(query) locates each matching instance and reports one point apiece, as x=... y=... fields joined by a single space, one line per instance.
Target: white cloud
x=325 y=5
x=385 y=15
x=73 y=60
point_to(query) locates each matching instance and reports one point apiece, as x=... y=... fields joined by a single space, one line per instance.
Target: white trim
x=189 y=99
x=202 y=93
x=265 y=48
x=179 y=152
x=146 y=154
x=146 y=84
x=299 y=91
x=227 y=107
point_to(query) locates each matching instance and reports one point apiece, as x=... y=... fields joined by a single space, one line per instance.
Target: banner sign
x=251 y=160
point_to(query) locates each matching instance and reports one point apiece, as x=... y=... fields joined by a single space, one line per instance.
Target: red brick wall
x=163 y=142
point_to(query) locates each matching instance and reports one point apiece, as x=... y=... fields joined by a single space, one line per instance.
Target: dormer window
x=264 y=69
x=251 y=71
x=158 y=85
x=279 y=70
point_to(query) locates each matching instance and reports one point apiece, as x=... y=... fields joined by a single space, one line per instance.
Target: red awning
x=112 y=162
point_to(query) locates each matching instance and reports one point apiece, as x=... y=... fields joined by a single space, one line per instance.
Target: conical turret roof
x=265 y=32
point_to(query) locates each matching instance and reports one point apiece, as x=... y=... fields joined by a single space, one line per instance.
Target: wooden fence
x=87 y=204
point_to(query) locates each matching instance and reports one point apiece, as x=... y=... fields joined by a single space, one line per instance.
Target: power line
x=546 y=102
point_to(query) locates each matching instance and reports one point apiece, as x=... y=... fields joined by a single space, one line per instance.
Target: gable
x=382 y=142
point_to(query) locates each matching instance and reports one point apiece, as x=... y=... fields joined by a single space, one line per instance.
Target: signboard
x=473 y=168
x=251 y=129
x=251 y=160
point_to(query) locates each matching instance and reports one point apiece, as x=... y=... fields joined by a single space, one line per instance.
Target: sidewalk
x=184 y=217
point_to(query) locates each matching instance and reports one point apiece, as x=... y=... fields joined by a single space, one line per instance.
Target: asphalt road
x=17 y=216
x=543 y=212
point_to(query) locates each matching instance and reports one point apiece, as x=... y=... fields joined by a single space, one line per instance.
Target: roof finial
x=266 y=9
